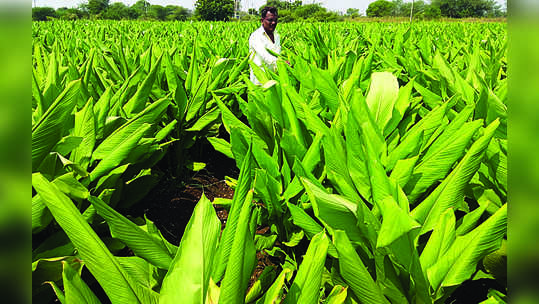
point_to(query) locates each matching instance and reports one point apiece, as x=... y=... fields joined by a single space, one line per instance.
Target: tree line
x=288 y=11
x=436 y=9
x=103 y=9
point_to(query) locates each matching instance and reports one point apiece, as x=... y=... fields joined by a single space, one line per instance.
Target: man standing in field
x=265 y=37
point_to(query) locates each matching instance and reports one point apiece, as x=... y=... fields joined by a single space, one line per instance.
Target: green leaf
x=354 y=271
x=439 y=241
x=435 y=166
x=334 y=212
x=337 y=295
x=306 y=285
x=187 y=280
x=221 y=145
x=460 y=261
x=150 y=115
x=119 y=153
x=274 y=293
x=264 y=281
x=138 y=240
x=76 y=291
x=93 y=252
x=450 y=193
x=382 y=96
x=50 y=127
x=85 y=128
x=238 y=200
x=242 y=258
x=139 y=100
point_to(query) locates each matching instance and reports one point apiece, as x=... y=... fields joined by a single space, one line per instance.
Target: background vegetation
x=288 y=11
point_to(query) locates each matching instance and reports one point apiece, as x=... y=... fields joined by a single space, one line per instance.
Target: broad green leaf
x=119 y=153
x=50 y=127
x=450 y=192
x=93 y=252
x=150 y=115
x=274 y=294
x=334 y=212
x=382 y=96
x=460 y=260
x=228 y=235
x=139 y=100
x=76 y=290
x=221 y=145
x=261 y=285
x=337 y=295
x=306 y=285
x=354 y=271
x=337 y=170
x=138 y=240
x=188 y=277
x=439 y=241
x=436 y=165
x=242 y=258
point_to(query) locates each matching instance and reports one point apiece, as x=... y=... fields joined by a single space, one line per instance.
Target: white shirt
x=258 y=42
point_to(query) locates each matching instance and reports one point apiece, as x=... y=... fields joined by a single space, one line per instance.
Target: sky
x=334 y=5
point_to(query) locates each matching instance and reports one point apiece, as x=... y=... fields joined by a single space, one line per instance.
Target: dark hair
x=268 y=9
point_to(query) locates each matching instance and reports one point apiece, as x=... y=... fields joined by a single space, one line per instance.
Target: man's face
x=269 y=22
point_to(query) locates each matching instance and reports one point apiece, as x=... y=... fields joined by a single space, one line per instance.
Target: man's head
x=269 y=18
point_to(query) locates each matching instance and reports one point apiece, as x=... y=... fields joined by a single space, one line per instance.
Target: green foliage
x=377 y=160
x=43 y=13
x=432 y=12
x=214 y=10
x=282 y=5
x=352 y=12
x=380 y=8
x=177 y=13
x=116 y=11
x=404 y=9
x=158 y=12
x=467 y=8
x=96 y=7
x=65 y=13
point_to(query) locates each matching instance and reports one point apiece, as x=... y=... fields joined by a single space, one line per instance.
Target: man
x=265 y=37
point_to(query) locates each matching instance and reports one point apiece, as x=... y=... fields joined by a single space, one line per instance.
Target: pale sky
x=334 y=5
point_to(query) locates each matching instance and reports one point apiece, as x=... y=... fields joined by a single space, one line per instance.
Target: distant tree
x=252 y=11
x=96 y=7
x=60 y=12
x=352 y=12
x=65 y=13
x=116 y=11
x=177 y=13
x=214 y=9
x=158 y=12
x=466 y=8
x=286 y=16
x=83 y=10
x=141 y=8
x=432 y=12
x=419 y=8
x=43 y=13
x=282 y=5
x=308 y=10
x=398 y=8
x=325 y=16
x=380 y=8
x=132 y=13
